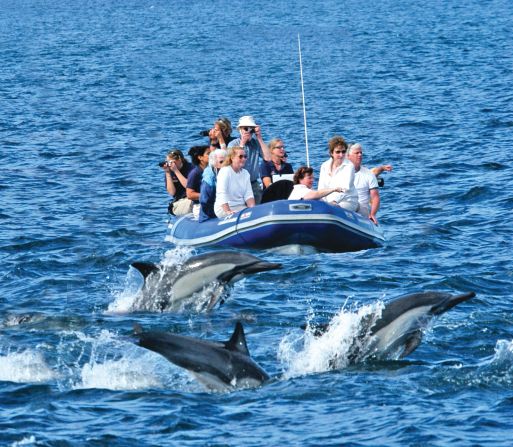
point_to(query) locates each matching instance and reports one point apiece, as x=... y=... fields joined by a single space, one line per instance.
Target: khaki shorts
x=182 y=207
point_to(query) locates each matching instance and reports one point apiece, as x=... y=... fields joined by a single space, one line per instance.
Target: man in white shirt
x=365 y=183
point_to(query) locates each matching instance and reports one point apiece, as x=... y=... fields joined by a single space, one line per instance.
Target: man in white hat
x=255 y=148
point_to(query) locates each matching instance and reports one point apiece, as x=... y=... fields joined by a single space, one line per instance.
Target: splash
x=107 y=362
x=294 y=249
x=128 y=299
x=121 y=374
x=346 y=337
x=25 y=367
x=30 y=440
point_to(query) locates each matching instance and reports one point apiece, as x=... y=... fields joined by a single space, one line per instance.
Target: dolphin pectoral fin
x=145 y=268
x=237 y=341
x=412 y=343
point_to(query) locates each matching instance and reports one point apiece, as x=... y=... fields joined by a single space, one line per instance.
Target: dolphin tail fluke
x=145 y=268
x=237 y=341
x=452 y=301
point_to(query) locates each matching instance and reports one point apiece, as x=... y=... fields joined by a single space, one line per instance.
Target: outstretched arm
x=319 y=194
x=379 y=169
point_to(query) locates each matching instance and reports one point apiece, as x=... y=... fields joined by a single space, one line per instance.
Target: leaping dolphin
x=168 y=288
x=218 y=366
x=398 y=331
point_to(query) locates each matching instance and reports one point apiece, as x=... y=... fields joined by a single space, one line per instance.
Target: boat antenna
x=303 y=96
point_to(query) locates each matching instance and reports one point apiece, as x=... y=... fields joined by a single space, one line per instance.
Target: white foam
x=294 y=249
x=121 y=374
x=306 y=353
x=25 y=367
x=30 y=440
x=125 y=300
x=503 y=352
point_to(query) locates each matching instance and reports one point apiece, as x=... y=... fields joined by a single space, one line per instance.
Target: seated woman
x=234 y=191
x=209 y=184
x=176 y=170
x=303 y=182
x=276 y=165
x=339 y=172
x=199 y=156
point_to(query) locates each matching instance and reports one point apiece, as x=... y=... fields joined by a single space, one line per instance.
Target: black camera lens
x=162 y=164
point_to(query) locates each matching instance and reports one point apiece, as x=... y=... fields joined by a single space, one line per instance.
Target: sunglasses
x=242 y=156
x=279 y=147
x=340 y=152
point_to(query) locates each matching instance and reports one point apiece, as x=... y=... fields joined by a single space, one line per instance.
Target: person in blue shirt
x=276 y=166
x=255 y=148
x=199 y=156
x=209 y=183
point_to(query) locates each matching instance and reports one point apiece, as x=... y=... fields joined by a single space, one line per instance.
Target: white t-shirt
x=233 y=188
x=299 y=192
x=343 y=177
x=364 y=181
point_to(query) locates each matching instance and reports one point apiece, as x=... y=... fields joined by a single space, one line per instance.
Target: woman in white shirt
x=339 y=172
x=303 y=182
x=234 y=191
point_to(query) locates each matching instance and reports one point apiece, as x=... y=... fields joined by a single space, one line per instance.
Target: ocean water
x=93 y=94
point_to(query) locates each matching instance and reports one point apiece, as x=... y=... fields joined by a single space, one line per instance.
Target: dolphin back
x=435 y=303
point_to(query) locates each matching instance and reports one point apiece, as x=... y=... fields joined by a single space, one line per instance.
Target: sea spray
x=310 y=353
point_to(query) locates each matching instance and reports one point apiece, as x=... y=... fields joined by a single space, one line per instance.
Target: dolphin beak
x=262 y=266
x=248 y=269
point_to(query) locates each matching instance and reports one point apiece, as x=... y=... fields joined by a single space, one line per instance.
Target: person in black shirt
x=176 y=170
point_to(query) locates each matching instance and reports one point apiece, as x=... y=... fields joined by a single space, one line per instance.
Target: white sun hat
x=246 y=121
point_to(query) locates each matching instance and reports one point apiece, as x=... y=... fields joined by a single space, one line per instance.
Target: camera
x=163 y=163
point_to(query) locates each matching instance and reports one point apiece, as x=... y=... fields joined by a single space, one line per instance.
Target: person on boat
x=255 y=149
x=176 y=169
x=276 y=166
x=199 y=156
x=221 y=134
x=209 y=184
x=234 y=191
x=377 y=170
x=303 y=182
x=366 y=183
x=338 y=171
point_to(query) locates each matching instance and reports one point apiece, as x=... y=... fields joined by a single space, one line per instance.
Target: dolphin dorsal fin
x=237 y=341
x=145 y=268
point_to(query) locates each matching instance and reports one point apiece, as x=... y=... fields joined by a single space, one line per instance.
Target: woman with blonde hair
x=234 y=191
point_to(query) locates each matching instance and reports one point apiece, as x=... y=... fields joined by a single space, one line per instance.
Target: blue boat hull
x=283 y=222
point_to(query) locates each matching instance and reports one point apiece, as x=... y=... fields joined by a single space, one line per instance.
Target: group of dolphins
x=228 y=365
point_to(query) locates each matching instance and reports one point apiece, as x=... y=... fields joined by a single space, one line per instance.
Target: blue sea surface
x=92 y=96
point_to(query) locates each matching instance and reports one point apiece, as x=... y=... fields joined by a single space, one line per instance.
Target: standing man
x=255 y=149
x=365 y=183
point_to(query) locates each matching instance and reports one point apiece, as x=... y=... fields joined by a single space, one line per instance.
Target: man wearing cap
x=255 y=148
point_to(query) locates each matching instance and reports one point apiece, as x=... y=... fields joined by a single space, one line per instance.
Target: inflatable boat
x=282 y=222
